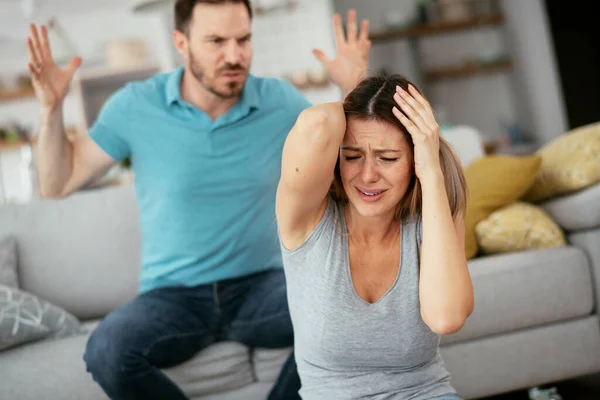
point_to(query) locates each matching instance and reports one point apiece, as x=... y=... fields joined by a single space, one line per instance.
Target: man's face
x=217 y=49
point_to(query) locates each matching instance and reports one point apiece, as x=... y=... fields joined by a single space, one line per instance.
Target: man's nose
x=233 y=52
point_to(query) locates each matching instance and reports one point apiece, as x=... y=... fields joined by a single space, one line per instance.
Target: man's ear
x=180 y=40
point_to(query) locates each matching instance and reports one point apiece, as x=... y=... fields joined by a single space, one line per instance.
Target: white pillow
x=466 y=141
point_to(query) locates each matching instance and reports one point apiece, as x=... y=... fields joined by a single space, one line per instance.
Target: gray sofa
x=535 y=319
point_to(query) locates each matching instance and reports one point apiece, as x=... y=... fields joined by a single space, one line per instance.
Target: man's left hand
x=352 y=59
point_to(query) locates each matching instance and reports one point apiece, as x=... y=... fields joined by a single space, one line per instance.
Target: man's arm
x=63 y=166
x=351 y=61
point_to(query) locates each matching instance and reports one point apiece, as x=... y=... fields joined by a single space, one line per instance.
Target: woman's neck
x=371 y=231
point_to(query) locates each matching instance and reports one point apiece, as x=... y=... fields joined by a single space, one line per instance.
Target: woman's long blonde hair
x=373 y=99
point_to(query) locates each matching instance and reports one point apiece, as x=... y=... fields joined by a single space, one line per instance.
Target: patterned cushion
x=8 y=262
x=519 y=226
x=569 y=163
x=24 y=318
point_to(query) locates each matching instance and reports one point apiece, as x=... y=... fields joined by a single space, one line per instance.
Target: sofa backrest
x=80 y=252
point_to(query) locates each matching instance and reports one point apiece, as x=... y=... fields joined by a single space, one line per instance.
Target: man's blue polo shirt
x=205 y=189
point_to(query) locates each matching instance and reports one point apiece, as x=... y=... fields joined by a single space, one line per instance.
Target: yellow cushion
x=569 y=163
x=519 y=226
x=493 y=182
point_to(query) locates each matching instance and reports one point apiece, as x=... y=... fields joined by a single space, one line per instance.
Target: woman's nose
x=369 y=171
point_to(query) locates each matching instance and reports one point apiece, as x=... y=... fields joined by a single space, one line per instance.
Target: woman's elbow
x=449 y=323
x=446 y=326
x=323 y=118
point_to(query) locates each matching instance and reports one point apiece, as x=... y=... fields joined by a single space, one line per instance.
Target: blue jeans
x=167 y=326
x=449 y=396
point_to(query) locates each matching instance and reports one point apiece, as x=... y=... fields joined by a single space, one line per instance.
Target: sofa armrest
x=588 y=241
x=577 y=211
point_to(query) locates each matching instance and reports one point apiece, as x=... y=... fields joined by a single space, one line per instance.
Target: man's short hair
x=185 y=8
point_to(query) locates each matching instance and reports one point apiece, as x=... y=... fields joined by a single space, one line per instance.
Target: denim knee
x=110 y=358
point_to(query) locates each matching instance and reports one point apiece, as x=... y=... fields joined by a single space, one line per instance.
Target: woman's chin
x=373 y=210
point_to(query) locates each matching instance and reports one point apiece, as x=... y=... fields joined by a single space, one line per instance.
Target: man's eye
x=350 y=158
x=386 y=159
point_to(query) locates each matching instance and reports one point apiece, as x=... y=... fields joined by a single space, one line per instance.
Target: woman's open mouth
x=370 y=195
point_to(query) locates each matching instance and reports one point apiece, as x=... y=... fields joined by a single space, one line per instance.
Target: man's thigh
x=263 y=318
x=165 y=326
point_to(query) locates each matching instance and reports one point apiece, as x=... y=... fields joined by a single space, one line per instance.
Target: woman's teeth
x=370 y=194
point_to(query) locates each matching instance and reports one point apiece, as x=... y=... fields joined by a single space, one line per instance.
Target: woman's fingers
x=412 y=129
x=409 y=110
x=428 y=116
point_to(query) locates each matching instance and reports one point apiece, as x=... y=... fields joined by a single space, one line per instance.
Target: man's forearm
x=54 y=154
x=351 y=83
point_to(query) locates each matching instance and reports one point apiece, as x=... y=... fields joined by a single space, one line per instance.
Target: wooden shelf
x=5 y=146
x=16 y=94
x=467 y=69
x=436 y=28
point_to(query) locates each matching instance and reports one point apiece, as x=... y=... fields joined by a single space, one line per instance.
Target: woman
x=374 y=262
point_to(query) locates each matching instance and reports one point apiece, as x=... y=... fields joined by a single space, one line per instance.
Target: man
x=205 y=142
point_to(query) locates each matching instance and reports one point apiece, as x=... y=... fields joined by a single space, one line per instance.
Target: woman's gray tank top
x=347 y=348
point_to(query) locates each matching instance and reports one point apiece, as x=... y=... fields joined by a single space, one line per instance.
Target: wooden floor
x=587 y=388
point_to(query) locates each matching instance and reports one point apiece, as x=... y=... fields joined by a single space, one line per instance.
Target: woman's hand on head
x=416 y=115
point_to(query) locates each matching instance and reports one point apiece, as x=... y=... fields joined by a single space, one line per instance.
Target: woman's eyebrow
x=378 y=151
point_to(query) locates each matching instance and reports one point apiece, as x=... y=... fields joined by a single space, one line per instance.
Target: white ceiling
x=14 y=18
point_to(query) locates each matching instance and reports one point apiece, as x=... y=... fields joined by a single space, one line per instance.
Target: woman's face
x=376 y=166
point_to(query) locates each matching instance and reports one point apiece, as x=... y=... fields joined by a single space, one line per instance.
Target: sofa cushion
x=577 y=211
x=48 y=370
x=8 y=262
x=81 y=252
x=220 y=367
x=519 y=226
x=45 y=368
x=25 y=317
x=494 y=182
x=255 y=391
x=269 y=362
x=570 y=162
x=526 y=289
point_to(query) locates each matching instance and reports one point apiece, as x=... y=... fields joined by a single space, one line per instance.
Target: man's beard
x=234 y=89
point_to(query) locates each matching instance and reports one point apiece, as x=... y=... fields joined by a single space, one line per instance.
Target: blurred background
x=521 y=72
x=518 y=74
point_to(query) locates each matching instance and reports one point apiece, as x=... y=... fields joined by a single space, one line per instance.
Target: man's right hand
x=50 y=82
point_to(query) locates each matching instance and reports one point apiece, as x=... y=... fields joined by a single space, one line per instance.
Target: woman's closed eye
x=385 y=159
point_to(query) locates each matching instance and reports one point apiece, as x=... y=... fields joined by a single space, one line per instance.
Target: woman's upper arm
x=459 y=228
x=308 y=161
